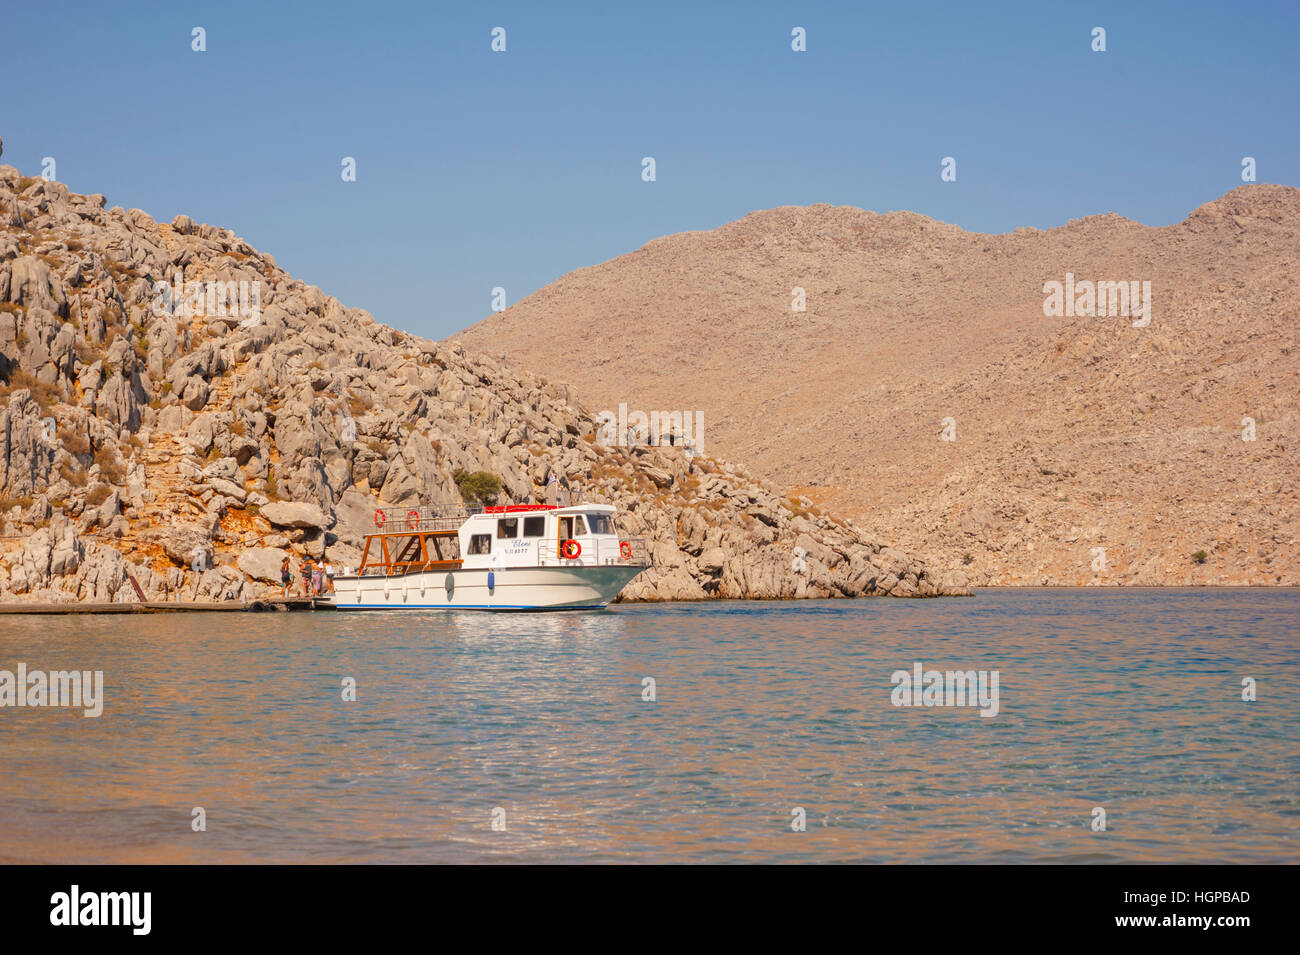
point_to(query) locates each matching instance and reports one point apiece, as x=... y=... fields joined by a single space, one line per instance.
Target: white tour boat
x=513 y=557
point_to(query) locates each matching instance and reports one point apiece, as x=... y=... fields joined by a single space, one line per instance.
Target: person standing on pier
x=306 y=577
x=286 y=576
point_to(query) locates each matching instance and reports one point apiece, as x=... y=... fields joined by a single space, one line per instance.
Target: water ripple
x=1126 y=700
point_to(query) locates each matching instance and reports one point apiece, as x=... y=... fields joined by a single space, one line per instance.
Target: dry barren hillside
x=183 y=442
x=1084 y=449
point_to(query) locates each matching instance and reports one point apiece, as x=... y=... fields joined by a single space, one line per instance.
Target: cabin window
x=566 y=528
x=508 y=528
x=579 y=528
x=480 y=544
x=534 y=526
x=600 y=524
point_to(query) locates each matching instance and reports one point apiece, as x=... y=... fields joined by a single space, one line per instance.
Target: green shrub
x=478 y=487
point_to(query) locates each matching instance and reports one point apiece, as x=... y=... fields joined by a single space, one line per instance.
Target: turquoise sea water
x=1124 y=700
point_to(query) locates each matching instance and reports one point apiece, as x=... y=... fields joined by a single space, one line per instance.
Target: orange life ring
x=570 y=549
x=625 y=548
x=412 y=519
x=380 y=518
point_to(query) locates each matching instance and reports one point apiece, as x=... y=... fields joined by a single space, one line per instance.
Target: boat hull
x=511 y=589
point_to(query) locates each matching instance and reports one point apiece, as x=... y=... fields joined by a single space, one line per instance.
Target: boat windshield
x=600 y=524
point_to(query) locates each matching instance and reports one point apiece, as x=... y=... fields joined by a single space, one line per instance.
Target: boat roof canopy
x=512 y=509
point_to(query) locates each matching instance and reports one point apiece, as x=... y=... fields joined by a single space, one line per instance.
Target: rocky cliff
x=185 y=440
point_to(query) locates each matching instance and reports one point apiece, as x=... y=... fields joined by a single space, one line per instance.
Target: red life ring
x=625 y=548
x=380 y=518
x=570 y=549
x=412 y=519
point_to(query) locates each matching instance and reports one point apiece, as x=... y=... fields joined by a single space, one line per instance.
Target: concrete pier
x=261 y=604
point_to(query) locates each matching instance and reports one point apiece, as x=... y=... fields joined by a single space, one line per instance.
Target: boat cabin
x=495 y=538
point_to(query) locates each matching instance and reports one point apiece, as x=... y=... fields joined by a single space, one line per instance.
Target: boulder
x=200 y=433
x=229 y=488
x=712 y=560
x=188 y=546
x=195 y=393
x=660 y=477
x=172 y=419
x=354 y=517
x=295 y=514
x=262 y=563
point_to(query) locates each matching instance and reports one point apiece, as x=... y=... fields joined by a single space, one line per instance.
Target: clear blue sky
x=478 y=169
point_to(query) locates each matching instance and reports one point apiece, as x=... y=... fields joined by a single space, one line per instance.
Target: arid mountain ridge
x=1086 y=450
x=185 y=450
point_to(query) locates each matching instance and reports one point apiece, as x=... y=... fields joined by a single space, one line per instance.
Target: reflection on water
x=1128 y=700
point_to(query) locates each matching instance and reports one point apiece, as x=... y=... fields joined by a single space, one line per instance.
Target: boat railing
x=397 y=519
x=625 y=552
